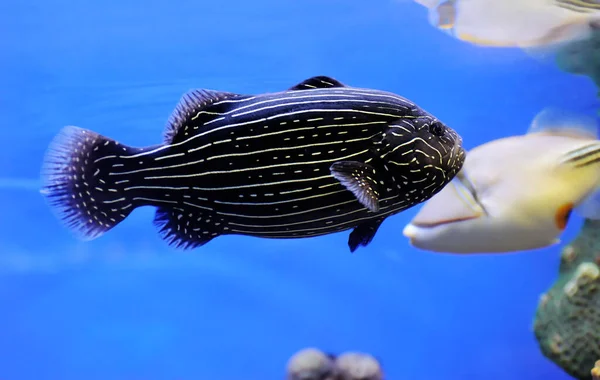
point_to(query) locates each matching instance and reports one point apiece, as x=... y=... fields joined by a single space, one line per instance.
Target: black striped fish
x=316 y=159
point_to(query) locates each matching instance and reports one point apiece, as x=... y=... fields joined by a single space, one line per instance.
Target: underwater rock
x=596 y=371
x=313 y=364
x=567 y=321
x=358 y=366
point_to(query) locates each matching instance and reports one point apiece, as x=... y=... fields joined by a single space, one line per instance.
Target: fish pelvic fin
x=363 y=234
x=188 y=228
x=78 y=185
x=199 y=106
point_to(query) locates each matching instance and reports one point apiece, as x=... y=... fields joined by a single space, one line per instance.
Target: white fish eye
x=437 y=129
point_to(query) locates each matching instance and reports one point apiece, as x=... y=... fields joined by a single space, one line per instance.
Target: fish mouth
x=457 y=202
x=458 y=155
x=441 y=222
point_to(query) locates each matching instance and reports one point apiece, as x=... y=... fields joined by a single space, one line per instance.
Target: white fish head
x=516 y=193
x=454 y=221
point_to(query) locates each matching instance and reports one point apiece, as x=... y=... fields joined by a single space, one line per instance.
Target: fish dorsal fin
x=555 y=121
x=191 y=104
x=320 y=81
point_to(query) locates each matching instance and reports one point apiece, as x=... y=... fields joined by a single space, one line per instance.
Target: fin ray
x=191 y=104
x=77 y=185
x=187 y=229
x=360 y=179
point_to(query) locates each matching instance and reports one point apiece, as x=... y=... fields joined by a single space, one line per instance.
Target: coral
x=313 y=364
x=596 y=371
x=358 y=366
x=567 y=321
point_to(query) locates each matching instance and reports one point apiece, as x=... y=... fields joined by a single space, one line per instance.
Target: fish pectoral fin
x=362 y=234
x=190 y=104
x=187 y=229
x=320 y=81
x=360 y=179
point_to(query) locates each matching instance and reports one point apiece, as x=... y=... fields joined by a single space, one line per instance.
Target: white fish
x=514 y=23
x=516 y=193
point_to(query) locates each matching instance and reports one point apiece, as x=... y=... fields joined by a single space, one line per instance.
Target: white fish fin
x=556 y=121
x=455 y=202
x=590 y=207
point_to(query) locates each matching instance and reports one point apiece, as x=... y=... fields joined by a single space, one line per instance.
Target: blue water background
x=127 y=307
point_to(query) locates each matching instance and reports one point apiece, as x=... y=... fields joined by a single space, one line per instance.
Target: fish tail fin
x=79 y=185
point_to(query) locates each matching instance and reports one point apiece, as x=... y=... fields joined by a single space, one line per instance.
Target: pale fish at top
x=516 y=193
x=514 y=23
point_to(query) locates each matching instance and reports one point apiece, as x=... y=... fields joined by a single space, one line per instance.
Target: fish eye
x=437 y=129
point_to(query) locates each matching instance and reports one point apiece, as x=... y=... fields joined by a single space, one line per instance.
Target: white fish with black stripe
x=316 y=159
x=516 y=193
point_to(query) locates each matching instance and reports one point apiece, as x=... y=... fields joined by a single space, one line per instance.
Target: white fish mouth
x=443 y=222
x=410 y=231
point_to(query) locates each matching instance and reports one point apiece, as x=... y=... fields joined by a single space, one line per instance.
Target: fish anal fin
x=187 y=229
x=360 y=179
x=191 y=105
x=363 y=234
x=320 y=81
x=560 y=122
